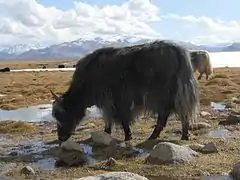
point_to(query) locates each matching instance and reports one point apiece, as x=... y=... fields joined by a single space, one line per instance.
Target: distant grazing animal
x=6 y=69
x=122 y=82
x=44 y=67
x=61 y=66
x=201 y=61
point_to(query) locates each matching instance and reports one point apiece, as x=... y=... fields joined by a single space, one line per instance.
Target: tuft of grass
x=16 y=127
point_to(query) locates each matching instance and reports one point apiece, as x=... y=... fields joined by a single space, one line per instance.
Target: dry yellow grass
x=30 y=88
x=17 y=127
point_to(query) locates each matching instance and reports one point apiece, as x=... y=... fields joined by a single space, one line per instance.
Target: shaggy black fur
x=156 y=77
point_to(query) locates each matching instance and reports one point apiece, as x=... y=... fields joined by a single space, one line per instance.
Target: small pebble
x=27 y=170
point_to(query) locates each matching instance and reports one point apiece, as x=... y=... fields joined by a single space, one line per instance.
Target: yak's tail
x=187 y=97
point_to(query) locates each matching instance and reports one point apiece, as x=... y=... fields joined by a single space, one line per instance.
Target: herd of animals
x=123 y=82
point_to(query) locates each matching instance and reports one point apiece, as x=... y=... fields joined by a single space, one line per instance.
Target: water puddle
x=38 y=113
x=40 y=155
x=219 y=133
x=30 y=114
x=218 y=106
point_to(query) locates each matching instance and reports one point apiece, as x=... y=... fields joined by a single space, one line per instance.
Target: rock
x=235 y=173
x=114 y=176
x=229 y=105
x=169 y=153
x=71 y=145
x=196 y=147
x=210 y=148
x=27 y=170
x=236 y=100
x=70 y=153
x=200 y=125
x=205 y=114
x=103 y=138
x=70 y=157
x=231 y=120
x=13 y=153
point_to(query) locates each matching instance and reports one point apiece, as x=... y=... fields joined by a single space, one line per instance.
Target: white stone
x=27 y=170
x=114 y=176
x=205 y=113
x=169 y=153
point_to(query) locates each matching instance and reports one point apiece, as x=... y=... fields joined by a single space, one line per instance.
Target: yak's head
x=65 y=117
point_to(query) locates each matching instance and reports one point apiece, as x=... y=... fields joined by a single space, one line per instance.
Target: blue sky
x=224 y=9
x=200 y=22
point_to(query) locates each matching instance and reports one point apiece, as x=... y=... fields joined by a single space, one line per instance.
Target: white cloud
x=210 y=30
x=27 y=21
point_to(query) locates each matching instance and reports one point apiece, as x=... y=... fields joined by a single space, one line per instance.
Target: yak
x=155 y=77
x=61 y=66
x=6 y=69
x=201 y=61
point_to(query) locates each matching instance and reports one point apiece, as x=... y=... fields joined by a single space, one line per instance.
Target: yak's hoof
x=128 y=138
x=108 y=131
x=185 y=137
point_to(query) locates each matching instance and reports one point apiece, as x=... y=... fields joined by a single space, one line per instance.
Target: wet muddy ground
x=38 y=149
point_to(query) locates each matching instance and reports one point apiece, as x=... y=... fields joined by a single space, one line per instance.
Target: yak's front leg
x=124 y=116
x=161 y=123
x=108 y=121
x=127 y=131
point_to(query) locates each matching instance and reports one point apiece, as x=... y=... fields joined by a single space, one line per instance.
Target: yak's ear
x=54 y=96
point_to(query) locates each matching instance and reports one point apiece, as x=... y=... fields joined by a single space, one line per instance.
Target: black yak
x=122 y=82
x=201 y=61
x=61 y=66
x=6 y=69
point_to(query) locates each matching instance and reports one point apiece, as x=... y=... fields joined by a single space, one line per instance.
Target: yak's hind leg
x=200 y=76
x=161 y=123
x=207 y=77
x=185 y=127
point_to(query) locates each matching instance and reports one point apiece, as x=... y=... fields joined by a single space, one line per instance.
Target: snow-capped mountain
x=82 y=46
x=19 y=48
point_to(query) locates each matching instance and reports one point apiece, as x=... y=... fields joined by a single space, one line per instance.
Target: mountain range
x=80 y=47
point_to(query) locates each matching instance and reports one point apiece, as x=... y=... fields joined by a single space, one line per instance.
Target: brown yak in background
x=201 y=61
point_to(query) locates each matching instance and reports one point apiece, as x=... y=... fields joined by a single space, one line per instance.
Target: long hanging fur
x=153 y=77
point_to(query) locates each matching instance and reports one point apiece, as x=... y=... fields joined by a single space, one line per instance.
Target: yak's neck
x=73 y=99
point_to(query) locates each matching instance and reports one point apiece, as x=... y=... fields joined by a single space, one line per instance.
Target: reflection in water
x=38 y=113
x=218 y=106
x=30 y=114
x=219 y=133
